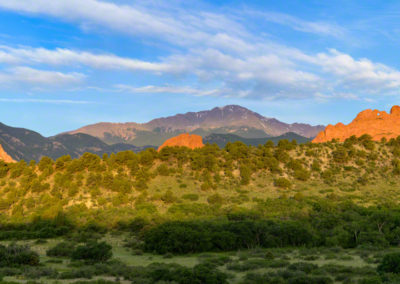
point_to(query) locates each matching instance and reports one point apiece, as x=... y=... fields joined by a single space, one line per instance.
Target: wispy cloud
x=150 y=89
x=42 y=77
x=42 y=101
x=67 y=57
x=215 y=49
x=313 y=27
x=129 y=19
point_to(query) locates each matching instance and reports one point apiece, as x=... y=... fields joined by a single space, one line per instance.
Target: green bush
x=16 y=255
x=93 y=252
x=63 y=249
x=191 y=196
x=282 y=183
x=390 y=263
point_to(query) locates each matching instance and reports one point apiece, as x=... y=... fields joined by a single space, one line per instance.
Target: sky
x=69 y=63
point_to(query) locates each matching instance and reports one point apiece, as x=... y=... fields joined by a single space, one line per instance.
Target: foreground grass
x=341 y=265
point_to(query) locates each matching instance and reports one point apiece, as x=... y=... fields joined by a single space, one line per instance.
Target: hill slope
x=24 y=144
x=231 y=119
x=222 y=139
x=178 y=183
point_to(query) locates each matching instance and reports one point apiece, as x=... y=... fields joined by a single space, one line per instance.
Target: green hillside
x=285 y=213
x=180 y=183
x=222 y=139
x=157 y=136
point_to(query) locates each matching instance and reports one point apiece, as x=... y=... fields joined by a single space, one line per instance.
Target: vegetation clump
x=92 y=252
x=17 y=255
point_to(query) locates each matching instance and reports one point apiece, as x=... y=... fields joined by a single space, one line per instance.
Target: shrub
x=282 y=183
x=390 y=263
x=163 y=170
x=303 y=266
x=168 y=197
x=215 y=199
x=340 y=155
x=16 y=255
x=201 y=273
x=301 y=174
x=38 y=272
x=245 y=175
x=191 y=196
x=63 y=249
x=93 y=252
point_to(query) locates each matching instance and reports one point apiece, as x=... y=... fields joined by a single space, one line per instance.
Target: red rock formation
x=192 y=141
x=4 y=156
x=376 y=123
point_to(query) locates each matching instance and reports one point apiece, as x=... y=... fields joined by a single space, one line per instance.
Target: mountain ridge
x=229 y=118
x=25 y=144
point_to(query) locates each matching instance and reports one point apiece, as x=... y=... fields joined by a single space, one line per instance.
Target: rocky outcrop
x=378 y=124
x=4 y=156
x=191 y=141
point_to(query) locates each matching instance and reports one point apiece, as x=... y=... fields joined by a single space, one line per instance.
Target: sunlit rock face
x=4 y=156
x=191 y=141
x=378 y=124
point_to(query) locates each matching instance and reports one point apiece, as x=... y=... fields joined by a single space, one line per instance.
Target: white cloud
x=69 y=57
x=215 y=50
x=150 y=89
x=314 y=27
x=279 y=73
x=123 y=18
x=42 y=77
x=42 y=101
x=361 y=74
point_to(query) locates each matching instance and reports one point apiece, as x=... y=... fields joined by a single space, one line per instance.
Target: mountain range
x=24 y=144
x=231 y=119
x=219 y=125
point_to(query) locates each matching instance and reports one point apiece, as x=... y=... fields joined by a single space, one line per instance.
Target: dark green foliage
x=223 y=139
x=390 y=263
x=201 y=273
x=16 y=255
x=38 y=272
x=63 y=249
x=190 y=237
x=38 y=229
x=93 y=252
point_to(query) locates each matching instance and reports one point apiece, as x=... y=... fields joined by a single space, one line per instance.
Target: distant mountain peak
x=225 y=119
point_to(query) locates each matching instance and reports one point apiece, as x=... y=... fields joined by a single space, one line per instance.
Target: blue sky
x=68 y=63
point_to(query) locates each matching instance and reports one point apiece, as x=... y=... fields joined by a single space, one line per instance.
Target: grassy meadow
x=242 y=266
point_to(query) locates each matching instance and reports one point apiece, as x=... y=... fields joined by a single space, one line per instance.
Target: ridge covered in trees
x=348 y=187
